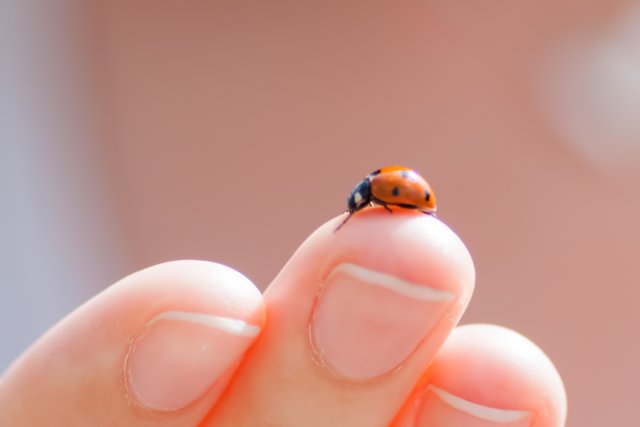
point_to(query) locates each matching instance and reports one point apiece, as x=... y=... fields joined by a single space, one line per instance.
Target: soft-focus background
x=138 y=132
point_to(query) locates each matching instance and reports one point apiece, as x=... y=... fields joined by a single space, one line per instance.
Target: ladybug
x=392 y=186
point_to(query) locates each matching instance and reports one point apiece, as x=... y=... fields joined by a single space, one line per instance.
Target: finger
x=157 y=349
x=354 y=318
x=488 y=376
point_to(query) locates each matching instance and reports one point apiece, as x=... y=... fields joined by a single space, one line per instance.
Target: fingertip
x=159 y=346
x=200 y=285
x=513 y=365
x=489 y=375
x=406 y=272
x=412 y=243
x=191 y=345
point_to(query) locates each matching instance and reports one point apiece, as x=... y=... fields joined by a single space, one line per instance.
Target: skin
x=76 y=373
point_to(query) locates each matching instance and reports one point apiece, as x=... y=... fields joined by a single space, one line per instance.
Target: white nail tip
x=226 y=324
x=393 y=283
x=500 y=416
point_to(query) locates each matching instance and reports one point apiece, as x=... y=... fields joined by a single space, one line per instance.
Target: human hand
x=350 y=333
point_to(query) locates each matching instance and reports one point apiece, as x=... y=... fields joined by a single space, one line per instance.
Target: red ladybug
x=395 y=186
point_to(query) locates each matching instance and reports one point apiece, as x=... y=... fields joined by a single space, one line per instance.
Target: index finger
x=353 y=320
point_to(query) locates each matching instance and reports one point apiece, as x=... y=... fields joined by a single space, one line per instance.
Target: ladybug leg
x=344 y=222
x=381 y=203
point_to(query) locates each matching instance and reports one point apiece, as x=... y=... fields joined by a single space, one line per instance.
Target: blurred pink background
x=140 y=132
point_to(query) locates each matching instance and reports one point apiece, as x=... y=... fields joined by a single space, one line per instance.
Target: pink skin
x=193 y=343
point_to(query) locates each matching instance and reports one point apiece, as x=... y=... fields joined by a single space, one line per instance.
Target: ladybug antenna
x=345 y=221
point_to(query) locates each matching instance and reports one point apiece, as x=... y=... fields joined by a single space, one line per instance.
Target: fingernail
x=178 y=356
x=440 y=408
x=366 y=323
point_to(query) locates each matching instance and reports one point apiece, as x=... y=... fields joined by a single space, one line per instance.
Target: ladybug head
x=360 y=196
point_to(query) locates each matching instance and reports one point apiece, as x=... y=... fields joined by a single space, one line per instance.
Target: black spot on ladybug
x=395 y=191
x=404 y=174
x=376 y=172
x=427 y=196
